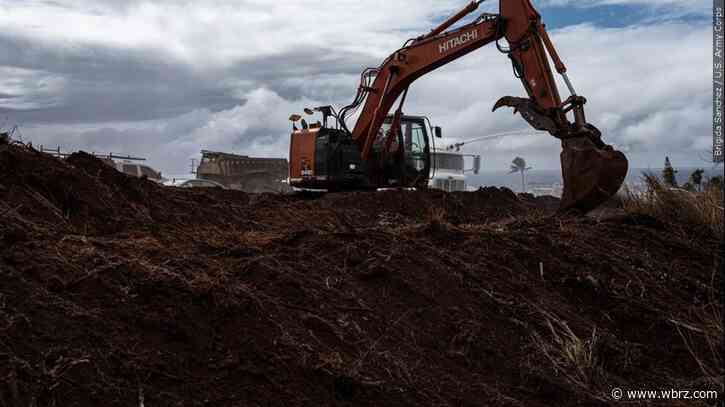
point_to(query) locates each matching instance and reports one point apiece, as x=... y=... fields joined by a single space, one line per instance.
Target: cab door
x=417 y=153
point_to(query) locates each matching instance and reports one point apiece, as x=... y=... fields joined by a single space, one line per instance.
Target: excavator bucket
x=591 y=175
x=593 y=172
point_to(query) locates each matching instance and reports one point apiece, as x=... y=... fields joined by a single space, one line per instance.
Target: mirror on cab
x=438 y=132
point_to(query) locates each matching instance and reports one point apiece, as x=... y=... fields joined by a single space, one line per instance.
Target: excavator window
x=382 y=135
x=449 y=162
x=417 y=150
x=380 y=140
x=417 y=138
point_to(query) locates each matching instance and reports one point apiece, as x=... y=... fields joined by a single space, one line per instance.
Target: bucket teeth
x=529 y=111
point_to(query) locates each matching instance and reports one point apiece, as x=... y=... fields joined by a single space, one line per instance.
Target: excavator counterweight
x=393 y=150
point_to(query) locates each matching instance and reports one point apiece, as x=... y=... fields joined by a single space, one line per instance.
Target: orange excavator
x=387 y=150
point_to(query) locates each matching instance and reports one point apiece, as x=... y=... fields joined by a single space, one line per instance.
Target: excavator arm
x=402 y=68
x=592 y=171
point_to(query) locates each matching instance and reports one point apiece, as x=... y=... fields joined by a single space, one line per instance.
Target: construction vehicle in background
x=449 y=163
x=449 y=169
x=393 y=150
x=132 y=166
x=243 y=173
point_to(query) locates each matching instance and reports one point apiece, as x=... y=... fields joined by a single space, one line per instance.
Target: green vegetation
x=691 y=213
x=669 y=174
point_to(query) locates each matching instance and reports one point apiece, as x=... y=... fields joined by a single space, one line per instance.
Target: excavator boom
x=409 y=63
x=592 y=171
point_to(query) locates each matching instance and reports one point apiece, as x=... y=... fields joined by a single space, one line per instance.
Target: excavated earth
x=115 y=291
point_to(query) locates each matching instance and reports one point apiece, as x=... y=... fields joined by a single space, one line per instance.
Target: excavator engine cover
x=591 y=175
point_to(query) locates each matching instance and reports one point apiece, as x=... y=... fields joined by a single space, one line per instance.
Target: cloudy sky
x=165 y=79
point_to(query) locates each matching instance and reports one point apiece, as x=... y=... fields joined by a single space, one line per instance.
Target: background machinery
x=393 y=150
x=244 y=173
x=450 y=169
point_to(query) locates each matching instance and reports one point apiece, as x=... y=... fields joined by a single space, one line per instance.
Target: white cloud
x=218 y=33
x=648 y=86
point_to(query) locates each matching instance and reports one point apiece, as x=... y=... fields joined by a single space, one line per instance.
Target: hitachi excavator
x=387 y=150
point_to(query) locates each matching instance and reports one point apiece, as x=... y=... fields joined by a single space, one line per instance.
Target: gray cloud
x=104 y=84
x=291 y=74
x=167 y=79
x=101 y=84
x=257 y=127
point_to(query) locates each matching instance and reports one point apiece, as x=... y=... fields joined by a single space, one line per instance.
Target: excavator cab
x=327 y=158
x=407 y=160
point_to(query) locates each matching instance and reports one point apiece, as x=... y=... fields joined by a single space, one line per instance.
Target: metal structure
x=7 y=136
x=458 y=146
x=126 y=164
x=110 y=156
x=380 y=152
x=244 y=173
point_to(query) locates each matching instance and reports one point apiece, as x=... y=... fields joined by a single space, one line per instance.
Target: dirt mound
x=85 y=195
x=115 y=291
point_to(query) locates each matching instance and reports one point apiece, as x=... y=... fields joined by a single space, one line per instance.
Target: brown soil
x=115 y=291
